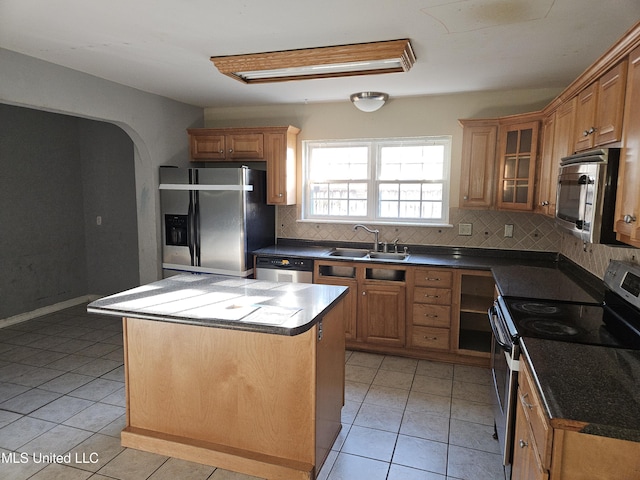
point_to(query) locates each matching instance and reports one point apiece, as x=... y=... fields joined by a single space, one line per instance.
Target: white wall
x=400 y=117
x=155 y=124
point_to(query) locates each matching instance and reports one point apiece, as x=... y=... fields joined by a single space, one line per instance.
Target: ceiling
x=163 y=46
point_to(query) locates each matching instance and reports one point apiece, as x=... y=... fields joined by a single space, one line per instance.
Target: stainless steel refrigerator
x=213 y=219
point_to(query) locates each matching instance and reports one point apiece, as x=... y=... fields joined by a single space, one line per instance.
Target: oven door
x=504 y=370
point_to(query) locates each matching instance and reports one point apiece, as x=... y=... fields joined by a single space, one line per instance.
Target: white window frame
x=375 y=145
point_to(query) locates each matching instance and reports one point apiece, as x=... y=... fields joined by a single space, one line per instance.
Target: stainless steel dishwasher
x=282 y=269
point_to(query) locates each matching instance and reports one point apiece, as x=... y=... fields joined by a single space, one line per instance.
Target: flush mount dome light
x=323 y=62
x=369 y=101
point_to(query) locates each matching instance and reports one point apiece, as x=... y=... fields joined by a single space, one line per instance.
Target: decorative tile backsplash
x=595 y=258
x=530 y=232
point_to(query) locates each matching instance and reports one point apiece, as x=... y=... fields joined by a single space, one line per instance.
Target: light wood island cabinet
x=276 y=146
x=224 y=377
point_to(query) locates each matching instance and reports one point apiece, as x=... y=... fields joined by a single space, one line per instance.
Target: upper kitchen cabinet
x=274 y=145
x=599 y=110
x=627 y=216
x=214 y=144
x=477 y=179
x=516 y=175
x=557 y=142
x=280 y=153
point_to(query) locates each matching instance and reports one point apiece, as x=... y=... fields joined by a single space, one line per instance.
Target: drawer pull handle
x=430 y=338
x=430 y=315
x=524 y=401
x=523 y=444
x=432 y=279
x=431 y=296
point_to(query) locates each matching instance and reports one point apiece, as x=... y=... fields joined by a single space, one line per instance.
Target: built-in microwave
x=586 y=195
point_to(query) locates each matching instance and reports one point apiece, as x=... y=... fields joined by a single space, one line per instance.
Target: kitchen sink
x=366 y=254
x=349 y=252
x=388 y=255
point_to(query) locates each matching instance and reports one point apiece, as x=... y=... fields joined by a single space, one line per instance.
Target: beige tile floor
x=62 y=391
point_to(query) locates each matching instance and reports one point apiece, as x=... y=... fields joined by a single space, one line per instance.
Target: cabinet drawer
x=431 y=315
x=430 y=337
x=436 y=296
x=536 y=416
x=429 y=277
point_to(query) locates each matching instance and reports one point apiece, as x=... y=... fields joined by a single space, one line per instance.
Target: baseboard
x=56 y=307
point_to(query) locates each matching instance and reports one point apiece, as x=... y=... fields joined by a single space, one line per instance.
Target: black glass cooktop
x=568 y=322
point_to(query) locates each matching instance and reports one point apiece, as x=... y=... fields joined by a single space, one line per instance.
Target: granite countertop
x=225 y=302
x=595 y=389
x=449 y=257
x=562 y=282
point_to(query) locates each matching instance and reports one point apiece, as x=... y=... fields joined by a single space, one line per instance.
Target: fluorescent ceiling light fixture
x=323 y=62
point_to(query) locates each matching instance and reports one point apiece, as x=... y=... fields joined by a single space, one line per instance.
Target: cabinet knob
x=221 y=152
x=629 y=219
x=523 y=444
x=280 y=195
x=364 y=293
x=231 y=150
x=544 y=204
x=466 y=197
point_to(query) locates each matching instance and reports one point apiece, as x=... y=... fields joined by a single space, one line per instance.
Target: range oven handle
x=494 y=319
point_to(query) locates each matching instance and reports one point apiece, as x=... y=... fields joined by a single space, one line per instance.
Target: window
x=382 y=180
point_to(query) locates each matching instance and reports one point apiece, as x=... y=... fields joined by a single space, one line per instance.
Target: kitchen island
x=241 y=374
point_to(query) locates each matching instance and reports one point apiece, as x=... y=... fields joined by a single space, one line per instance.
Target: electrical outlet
x=508 y=230
x=465 y=228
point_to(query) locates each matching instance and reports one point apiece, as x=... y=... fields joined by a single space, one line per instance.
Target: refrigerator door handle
x=191 y=233
x=196 y=222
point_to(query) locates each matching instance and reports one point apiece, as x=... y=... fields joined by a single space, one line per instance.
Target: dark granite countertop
x=597 y=387
x=561 y=281
x=225 y=302
x=419 y=255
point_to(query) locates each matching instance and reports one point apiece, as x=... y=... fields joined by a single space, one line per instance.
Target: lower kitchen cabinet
x=526 y=465
x=419 y=312
x=546 y=449
x=376 y=301
x=471 y=329
x=382 y=313
x=429 y=323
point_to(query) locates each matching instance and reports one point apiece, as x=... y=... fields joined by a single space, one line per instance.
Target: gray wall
x=58 y=173
x=155 y=124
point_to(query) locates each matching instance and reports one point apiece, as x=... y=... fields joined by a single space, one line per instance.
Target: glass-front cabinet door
x=518 y=150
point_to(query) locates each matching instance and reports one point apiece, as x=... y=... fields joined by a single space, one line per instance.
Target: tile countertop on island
x=225 y=302
x=591 y=389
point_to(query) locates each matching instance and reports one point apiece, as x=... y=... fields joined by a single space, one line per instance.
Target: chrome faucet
x=375 y=232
